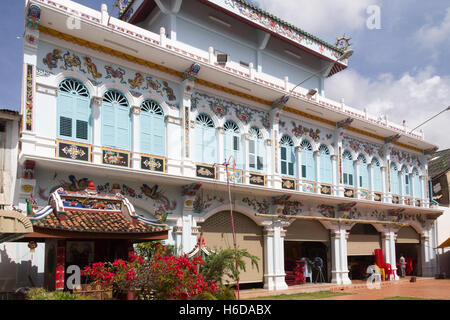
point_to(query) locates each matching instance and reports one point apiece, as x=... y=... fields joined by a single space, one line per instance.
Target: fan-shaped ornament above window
x=73 y=86
x=204 y=120
x=153 y=107
x=115 y=98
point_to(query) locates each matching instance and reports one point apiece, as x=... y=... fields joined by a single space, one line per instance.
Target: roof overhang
x=444 y=244
x=13 y=226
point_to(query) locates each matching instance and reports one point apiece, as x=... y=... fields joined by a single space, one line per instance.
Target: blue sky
x=401 y=70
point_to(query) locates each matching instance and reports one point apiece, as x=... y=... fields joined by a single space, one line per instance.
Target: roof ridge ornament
x=392 y=139
x=344 y=124
x=343 y=43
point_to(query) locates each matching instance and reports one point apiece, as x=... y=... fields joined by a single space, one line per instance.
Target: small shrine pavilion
x=82 y=227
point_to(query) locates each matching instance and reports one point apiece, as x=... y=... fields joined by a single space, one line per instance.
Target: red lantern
x=32 y=245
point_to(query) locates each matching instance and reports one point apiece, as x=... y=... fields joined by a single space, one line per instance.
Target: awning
x=13 y=225
x=445 y=244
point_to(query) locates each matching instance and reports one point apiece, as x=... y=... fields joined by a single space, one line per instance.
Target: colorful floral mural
x=260 y=206
x=357 y=146
x=203 y=202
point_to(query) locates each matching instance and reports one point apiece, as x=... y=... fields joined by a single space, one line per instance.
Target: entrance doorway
x=408 y=245
x=362 y=241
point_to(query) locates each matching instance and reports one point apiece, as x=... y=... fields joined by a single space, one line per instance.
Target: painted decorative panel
x=74 y=151
x=349 y=192
x=205 y=171
x=358 y=146
x=308 y=186
x=395 y=199
x=301 y=129
x=29 y=98
x=377 y=196
x=53 y=60
x=235 y=175
x=364 y=194
x=153 y=163
x=257 y=179
x=403 y=157
x=326 y=189
x=288 y=183
x=116 y=157
x=222 y=107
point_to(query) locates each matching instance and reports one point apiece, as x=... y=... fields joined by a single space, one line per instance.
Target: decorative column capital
x=177 y=229
x=333 y=157
x=383 y=169
x=335 y=233
x=370 y=165
x=298 y=149
x=317 y=153
x=246 y=136
x=221 y=130
x=97 y=101
x=135 y=110
x=356 y=162
x=268 y=142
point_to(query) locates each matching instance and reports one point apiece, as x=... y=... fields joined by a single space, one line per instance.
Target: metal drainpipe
x=435 y=229
x=431 y=194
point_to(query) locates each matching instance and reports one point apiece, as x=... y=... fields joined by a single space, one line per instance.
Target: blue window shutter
x=348 y=169
x=417 y=186
x=364 y=175
x=325 y=168
x=210 y=145
x=199 y=152
x=260 y=151
x=394 y=181
x=123 y=128
x=308 y=160
x=108 y=124
x=377 y=185
x=228 y=145
x=145 y=123
x=291 y=161
x=65 y=115
x=158 y=135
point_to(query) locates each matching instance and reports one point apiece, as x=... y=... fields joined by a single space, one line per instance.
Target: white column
x=278 y=240
x=268 y=259
x=96 y=130
x=187 y=165
x=276 y=174
x=317 y=161
x=344 y=263
x=268 y=159
x=334 y=173
x=178 y=235
x=386 y=246
x=336 y=257
x=392 y=241
x=426 y=263
x=135 y=160
x=413 y=183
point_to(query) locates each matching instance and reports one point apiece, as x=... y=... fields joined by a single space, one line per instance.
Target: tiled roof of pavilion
x=89 y=211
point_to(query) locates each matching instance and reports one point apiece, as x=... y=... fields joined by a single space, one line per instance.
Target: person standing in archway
x=402 y=266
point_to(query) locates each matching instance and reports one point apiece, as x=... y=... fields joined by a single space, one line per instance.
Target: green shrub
x=42 y=294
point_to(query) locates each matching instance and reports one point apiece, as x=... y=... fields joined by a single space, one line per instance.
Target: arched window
x=377 y=180
x=363 y=173
x=152 y=137
x=205 y=139
x=326 y=175
x=406 y=181
x=308 y=163
x=395 y=185
x=287 y=156
x=348 y=169
x=116 y=120
x=417 y=186
x=232 y=142
x=256 y=149
x=73 y=111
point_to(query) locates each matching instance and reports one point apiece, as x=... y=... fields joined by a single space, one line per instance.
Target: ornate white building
x=150 y=105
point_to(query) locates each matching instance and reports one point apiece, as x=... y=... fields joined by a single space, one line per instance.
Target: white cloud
x=414 y=97
x=432 y=35
x=325 y=17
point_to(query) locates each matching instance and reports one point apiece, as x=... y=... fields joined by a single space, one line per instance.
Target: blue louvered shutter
x=123 y=128
x=65 y=114
x=158 y=135
x=199 y=152
x=291 y=160
x=308 y=167
x=260 y=154
x=325 y=166
x=209 y=138
x=82 y=118
x=145 y=122
x=348 y=170
x=364 y=174
x=108 y=124
x=395 y=186
x=377 y=184
x=417 y=186
x=228 y=145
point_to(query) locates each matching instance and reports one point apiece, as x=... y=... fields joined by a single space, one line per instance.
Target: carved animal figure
x=71 y=62
x=92 y=68
x=137 y=82
x=51 y=59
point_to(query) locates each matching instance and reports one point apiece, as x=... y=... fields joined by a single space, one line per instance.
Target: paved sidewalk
x=425 y=288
